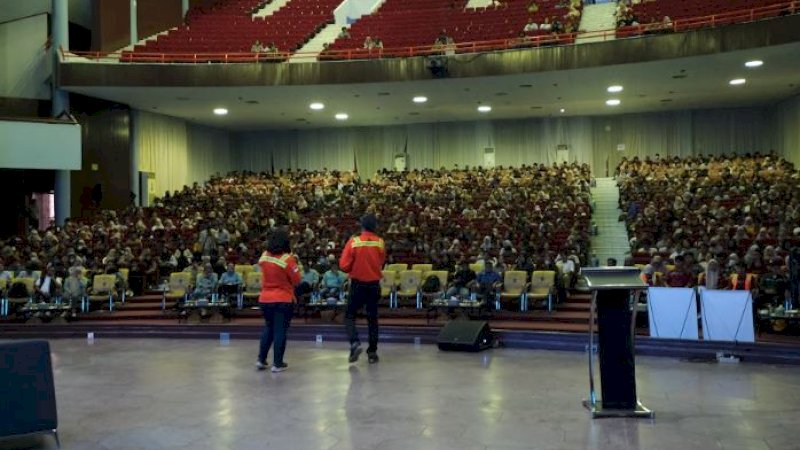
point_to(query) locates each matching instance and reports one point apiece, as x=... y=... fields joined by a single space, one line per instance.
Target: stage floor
x=201 y=394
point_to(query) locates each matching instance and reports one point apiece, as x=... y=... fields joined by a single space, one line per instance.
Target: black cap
x=369 y=222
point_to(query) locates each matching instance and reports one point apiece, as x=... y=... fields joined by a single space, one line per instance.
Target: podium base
x=598 y=412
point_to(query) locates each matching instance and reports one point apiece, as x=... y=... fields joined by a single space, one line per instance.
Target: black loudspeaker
x=465 y=336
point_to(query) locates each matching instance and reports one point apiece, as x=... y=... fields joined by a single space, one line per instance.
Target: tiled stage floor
x=199 y=394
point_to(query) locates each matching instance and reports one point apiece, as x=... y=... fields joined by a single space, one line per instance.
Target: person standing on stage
x=279 y=276
x=362 y=258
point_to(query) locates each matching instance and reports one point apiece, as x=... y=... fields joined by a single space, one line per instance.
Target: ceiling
x=675 y=84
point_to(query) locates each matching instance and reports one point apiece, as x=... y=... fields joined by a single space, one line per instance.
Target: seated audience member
x=546 y=25
x=369 y=44
x=531 y=26
x=679 y=276
x=488 y=282
x=739 y=279
x=773 y=287
x=256 y=47
x=377 y=43
x=611 y=262
x=332 y=282
x=463 y=279
x=5 y=274
x=206 y=283
x=46 y=285
x=308 y=282
x=344 y=33
x=74 y=288
x=230 y=282
x=713 y=277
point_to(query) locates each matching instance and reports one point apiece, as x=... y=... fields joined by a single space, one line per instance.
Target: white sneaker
x=281 y=368
x=260 y=365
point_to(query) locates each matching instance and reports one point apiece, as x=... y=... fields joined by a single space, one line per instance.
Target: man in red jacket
x=362 y=258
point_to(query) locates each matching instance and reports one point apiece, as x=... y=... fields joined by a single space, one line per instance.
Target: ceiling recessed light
x=316 y=106
x=420 y=99
x=484 y=108
x=562 y=110
x=615 y=88
x=754 y=63
x=341 y=116
x=220 y=111
x=613 y=102
x=737 y=81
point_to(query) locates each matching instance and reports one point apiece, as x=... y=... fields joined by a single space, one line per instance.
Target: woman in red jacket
x=279 y=276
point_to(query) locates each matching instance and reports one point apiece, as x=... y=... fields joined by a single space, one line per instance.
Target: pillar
x=60 y=39
x=184 y=8
x=135 y=156
x=134 y=24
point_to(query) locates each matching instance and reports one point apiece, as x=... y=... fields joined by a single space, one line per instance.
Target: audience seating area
x=682 y=15
x=525 y=219
x=417 y=23
x=230 y=27
x=721 y=222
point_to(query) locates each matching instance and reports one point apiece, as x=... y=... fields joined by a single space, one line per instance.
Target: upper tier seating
x=414 y=23
x=665 y=15
x=229 y=27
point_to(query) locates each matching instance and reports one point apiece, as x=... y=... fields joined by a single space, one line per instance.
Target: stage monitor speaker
x=465 y=336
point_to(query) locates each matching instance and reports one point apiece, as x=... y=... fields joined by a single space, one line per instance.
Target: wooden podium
x=614 y=290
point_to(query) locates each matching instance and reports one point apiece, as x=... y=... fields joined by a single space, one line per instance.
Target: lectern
x=614 y=290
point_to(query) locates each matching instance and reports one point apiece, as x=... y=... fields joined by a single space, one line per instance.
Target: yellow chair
x=541 y=288
x=408 y=287
x=396 y=267
x=422 y=267
x=515 y=287
x=103 y=288
x=124 y=272
x=389 y=280
x=670 y=267
x=243 y=270
x=179 y=283
x=252 y=289
x=29 y=289
x=442 y=276
x=476 y=267
x=3 y=290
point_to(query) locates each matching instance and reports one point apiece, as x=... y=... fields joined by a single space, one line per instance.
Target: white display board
x=40 y=145
x=727 y=315
x=672 y=313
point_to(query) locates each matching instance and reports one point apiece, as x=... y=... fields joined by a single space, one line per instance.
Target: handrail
x=677 y=25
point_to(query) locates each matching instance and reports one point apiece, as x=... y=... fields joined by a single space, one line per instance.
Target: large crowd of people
x=527 y=217
x=730 y=222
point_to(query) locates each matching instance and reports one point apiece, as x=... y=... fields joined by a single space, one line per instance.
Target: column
x=184 y=9
x=134 y=24
x=60 y=39
x=135 y=187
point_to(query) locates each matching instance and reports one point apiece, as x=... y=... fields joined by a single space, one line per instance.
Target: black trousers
x=363 y=295
x=277 y=317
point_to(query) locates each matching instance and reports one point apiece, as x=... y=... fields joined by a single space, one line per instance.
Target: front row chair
x=515 y=287
x=541 y=288
x=103 y=289
x=408 y=287
x=178 y=289
x=389 y=279
x=252 y=289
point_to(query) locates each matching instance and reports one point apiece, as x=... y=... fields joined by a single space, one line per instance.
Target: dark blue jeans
x=277 y=317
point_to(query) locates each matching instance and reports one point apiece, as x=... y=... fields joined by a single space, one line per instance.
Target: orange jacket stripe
x=363 y=257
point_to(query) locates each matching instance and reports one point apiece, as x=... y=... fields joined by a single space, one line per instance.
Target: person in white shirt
x=531 y=26
x=47 y=286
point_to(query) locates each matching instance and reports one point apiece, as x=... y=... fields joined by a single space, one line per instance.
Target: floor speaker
x=465 y=336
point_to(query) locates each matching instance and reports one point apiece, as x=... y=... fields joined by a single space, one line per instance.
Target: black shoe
x=355 y=352
x=373 y=358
